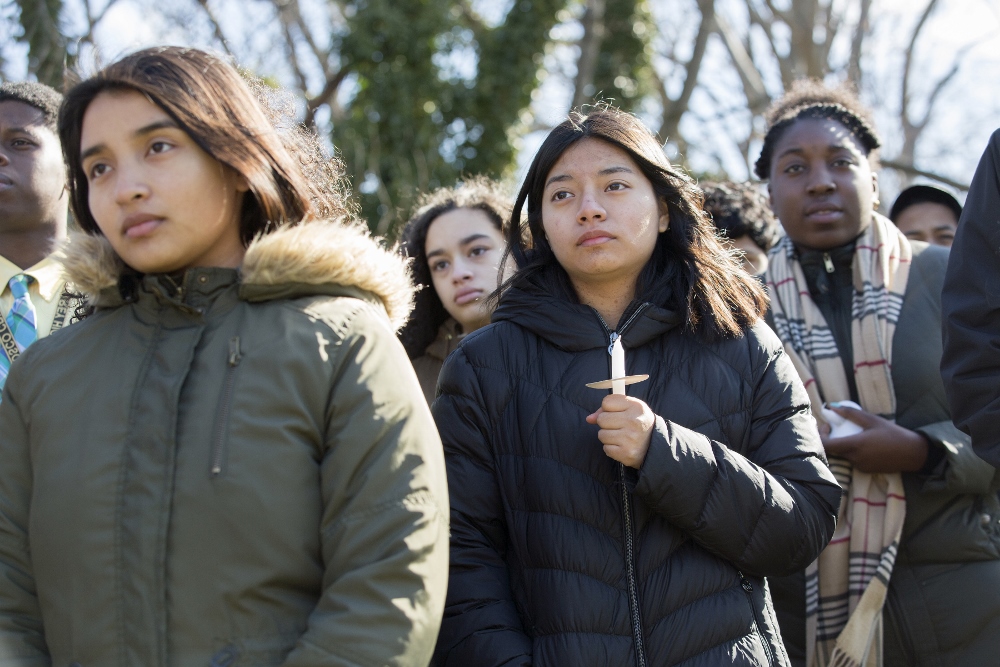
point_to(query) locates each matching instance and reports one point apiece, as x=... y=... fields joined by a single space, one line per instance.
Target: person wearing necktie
x=33 y=218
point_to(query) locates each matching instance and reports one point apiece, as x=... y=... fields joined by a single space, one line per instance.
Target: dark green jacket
x=950 y=548
x=241 y=471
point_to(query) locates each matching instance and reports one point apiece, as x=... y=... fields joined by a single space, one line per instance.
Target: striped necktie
x=20 y=320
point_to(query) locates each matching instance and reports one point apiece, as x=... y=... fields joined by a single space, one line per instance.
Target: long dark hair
x=478 y=193
x=689 y=270
x=231 y=119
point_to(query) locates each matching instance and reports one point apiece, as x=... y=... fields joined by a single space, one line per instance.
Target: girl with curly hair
x=912 y=575
x=455 y=242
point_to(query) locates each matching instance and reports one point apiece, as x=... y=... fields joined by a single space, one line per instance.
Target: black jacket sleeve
x=768 y=509
x=481 y=625
x=970 y=365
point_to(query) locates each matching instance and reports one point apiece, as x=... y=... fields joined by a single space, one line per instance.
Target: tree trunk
x=590 y=48
x=46 y=45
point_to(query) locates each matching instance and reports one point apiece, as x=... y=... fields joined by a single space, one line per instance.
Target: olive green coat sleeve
x=384 y=531
x=22 y=638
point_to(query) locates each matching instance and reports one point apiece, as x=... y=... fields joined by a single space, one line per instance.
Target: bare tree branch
x=673 y=110
x=766 y=24
x=753 y=83
x=831 y=23
x=860 y=32
x=216 y=28
x=289 y=12
x=908 y=61
x=936 y=92
x=945 y=80
x=913 y=129
x=782 y=14
x=590 y=47
x=325 y=95
x=94 y=19
x=909 y=168
x=293 y=55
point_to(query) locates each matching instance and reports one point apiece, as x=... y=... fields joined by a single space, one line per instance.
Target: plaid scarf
x=846 y=587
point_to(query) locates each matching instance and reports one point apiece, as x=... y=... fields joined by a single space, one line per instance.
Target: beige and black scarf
x=846 y=587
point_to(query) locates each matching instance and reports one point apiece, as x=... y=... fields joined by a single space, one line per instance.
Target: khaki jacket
x=238 y=469
x=428 y=367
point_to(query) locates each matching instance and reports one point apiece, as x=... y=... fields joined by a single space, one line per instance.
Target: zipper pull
x=611 y=345
x=234 y=351
x=827 y=262
x=745 y=584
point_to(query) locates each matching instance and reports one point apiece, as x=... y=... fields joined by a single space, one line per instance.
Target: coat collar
x=449 y=336
x=575 y=327
x=311 y=258
x=46 y=273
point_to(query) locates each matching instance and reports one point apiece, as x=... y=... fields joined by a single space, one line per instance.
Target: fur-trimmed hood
x=317 y=253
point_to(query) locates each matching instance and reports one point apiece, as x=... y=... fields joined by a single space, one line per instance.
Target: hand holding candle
x=626 y=423
x=626 y=428
x=618 y=380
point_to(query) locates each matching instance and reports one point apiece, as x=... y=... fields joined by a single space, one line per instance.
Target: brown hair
x=689 y=270
x=231 y=119
x=479 y=193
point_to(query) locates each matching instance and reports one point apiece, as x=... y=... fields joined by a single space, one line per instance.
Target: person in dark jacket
x=970 y=365
x=229 y=461
x=912 y=576
x=741 y=213
x=455 y=243
x=596 y=528
x=925 y=213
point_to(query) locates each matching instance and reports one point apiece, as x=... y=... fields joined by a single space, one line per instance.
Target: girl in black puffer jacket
x=609 y=529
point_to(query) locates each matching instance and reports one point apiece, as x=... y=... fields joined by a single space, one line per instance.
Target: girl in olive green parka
x=229 y=461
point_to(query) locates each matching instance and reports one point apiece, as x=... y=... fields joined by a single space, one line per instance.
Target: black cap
x=921 y=194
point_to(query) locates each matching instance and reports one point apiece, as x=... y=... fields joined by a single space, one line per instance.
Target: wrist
x=935 y=454
x=919 y=452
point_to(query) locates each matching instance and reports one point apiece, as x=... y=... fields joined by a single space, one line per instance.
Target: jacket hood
x=295 y=260
x=576 y=327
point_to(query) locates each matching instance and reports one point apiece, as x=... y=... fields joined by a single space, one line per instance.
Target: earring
x=875 y=204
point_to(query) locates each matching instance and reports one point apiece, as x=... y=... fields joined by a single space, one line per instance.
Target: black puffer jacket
x=561 y=556
x=970 y=307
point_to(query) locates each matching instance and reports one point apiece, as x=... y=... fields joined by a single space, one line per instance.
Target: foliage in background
x=39 y=20
x=417 y=120
x=624 y=70
x=390 y=134
x=416 y=93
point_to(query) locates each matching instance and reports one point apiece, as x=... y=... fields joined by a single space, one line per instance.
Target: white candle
x=618 y=367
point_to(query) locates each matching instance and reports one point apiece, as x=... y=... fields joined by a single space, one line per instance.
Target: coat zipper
x=828 y=262
x=227 y=397
x=615 y=335
x=633 y=595
x=178 y=289
x=748 y=589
